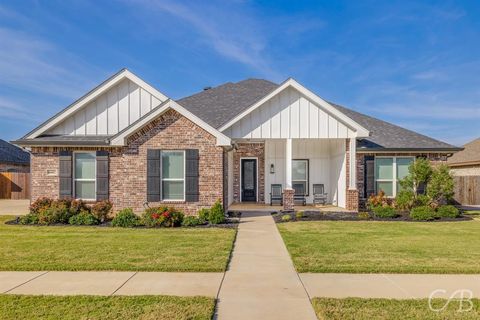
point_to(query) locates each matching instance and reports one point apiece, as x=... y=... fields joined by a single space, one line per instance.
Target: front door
x=249 y=179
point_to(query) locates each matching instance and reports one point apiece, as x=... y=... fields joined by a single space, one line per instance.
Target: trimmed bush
x=78 y=205
x=448 y=211
x=101 y=209
x=190 y=221
x=364 y=215
x=203 y=214
x=422 y=213
x=40 y=204
x=286 y=218
x=84 y=218
x=299 y=214
x=126 y=218
x=216 y=214
x=162 y=217
x=29 y=219
x=423 y=200
x=405 y=200
x=384 y=212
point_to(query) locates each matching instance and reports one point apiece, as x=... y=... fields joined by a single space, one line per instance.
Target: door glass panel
x=299 y=170
x=248 y=175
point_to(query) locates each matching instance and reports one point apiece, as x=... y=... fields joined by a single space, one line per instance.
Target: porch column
x=288 y=192
x=353 y=164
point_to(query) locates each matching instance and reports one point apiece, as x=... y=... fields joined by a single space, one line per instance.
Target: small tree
x=440 y=187
x=419 y=172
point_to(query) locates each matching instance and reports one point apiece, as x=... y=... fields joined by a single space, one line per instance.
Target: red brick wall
x=128 y=172
x=245 y=150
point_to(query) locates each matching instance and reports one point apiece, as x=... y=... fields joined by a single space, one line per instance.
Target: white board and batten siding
x=289 y=114
x=111 y=112
x=326 y=166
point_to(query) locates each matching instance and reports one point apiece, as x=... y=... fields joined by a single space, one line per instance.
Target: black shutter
x=65 y=175
x=102 y=175
x=191 y=175
x=369 y=186
x=154 y=187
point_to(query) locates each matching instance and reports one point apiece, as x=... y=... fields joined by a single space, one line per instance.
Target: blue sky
x=413 y=63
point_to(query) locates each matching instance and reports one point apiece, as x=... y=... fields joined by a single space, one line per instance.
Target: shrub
x=422 y=213
x=83 y=218
x=216 y=214
x=162 y=217
x=40 y=204
x=384 y=212
x=29 y=219
x=78 y=205
x=286 y=218
x=364 y=215
x=191 y=221
x=423 y=200
x=203 y=214
x=47 y=216
x=299 y=214
x=405 y=200
x=101 y=209
x=377 y=200
x=419 y=172
x=448 y=211
x=125 y=218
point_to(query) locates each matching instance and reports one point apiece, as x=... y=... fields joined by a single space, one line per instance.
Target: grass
x=383 y=247
x=95 y=248
x=471 y=212
x=95 y=307
x=385 y=309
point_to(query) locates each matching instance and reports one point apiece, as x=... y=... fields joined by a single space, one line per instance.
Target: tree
x=440 y=187
x=419 y=171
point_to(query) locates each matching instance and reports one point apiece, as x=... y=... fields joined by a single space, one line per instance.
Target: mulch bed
x=353 y=216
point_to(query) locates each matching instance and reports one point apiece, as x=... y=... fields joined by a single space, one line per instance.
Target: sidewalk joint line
x=133 y=275
x=21 y=284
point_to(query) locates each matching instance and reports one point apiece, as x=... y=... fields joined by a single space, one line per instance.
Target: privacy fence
x=14 y=185
x=467 y=190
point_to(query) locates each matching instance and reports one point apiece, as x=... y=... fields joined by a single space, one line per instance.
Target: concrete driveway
x=14 y=207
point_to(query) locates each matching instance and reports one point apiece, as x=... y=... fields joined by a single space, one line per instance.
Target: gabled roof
x=470 y=155
x=213 y=107
x=10 y=153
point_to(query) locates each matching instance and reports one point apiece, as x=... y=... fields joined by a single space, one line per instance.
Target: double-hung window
x=173 y=175
x=389 y=171
x=85 y=175
x=300 y=173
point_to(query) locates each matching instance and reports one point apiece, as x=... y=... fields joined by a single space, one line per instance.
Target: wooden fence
x=14 y=185
x=467 y=190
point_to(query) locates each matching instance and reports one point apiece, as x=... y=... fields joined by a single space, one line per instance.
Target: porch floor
x=252 y=206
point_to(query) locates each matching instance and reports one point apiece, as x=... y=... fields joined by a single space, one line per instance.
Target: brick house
x=127 y=142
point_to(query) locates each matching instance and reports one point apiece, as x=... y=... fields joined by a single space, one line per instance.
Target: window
x=300 y=173
x=85 y=176
x=173 y=175
x=389 y=171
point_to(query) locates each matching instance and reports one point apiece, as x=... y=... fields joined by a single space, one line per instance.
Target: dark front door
x=249 y=179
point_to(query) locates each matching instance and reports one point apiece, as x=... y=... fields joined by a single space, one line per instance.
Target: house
x=128 y=142
x=467 y=161
x=13 y=158
x=465 y=168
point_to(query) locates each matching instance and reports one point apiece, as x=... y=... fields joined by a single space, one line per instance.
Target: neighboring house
x=465 y=168
x=467 y=161
x=13 y=158
x=128 y=142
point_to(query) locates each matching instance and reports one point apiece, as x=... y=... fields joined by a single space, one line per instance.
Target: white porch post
x=288 y=163
x=353 y=164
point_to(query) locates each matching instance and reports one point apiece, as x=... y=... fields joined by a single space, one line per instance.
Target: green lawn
x=97 y=248
x=92 y=307
x=385 y=309
x=389 y=247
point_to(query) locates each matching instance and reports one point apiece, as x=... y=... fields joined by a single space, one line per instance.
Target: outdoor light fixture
x=272 y=169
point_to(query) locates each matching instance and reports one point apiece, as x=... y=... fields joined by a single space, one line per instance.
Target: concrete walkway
x=393 y=286
x=110 y=283
x=261 y=282
x=14 y=207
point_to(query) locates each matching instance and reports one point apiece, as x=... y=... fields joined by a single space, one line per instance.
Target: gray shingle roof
x=470 y=154
x=10 y=153
x=219 y=105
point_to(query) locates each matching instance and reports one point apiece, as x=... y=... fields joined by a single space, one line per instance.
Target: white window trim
x=394 y=179
x=75 y=179
x=174 y=179
x=307 y=172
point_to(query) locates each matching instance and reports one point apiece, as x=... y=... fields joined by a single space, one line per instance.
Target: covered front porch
x=251 y=206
